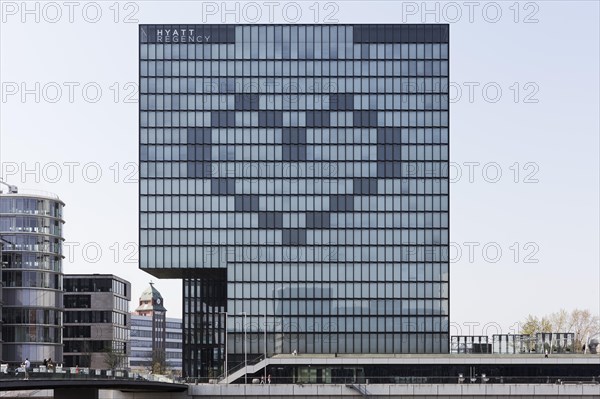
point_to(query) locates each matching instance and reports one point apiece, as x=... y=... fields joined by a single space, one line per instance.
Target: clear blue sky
x=540 y=133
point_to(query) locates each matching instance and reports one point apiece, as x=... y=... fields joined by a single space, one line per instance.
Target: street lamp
x=2 y=242
x=245 y=351
x=265 y=344
x=225 y=371
x=11 y=190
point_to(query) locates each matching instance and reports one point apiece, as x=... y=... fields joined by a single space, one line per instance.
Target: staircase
x=361 y=389
x=250 y=369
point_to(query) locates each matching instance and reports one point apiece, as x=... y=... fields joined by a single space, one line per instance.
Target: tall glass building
x=297 y=177
x=31 y=231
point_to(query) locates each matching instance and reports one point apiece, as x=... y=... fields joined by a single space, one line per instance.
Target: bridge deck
x=120 y=385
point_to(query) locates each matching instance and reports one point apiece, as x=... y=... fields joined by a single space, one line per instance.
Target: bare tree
x=159 y=362
x=113 y=358
x=86 y=359
x=581 y=323
x=560 y=321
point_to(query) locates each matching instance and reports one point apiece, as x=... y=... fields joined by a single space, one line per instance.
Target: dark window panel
x=223 y=186
x=341 y=102
x=270 y=220
x=425 y=33
x=294 y=237
x=317 y=118
x=365 y=118
x=199 y=135
x=239 y=203
x=270 y=118
x=246 y=101
x=381 y=171
x=317 y=220
x=191 y=169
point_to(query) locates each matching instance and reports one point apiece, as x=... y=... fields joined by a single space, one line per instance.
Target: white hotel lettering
x=180 y=36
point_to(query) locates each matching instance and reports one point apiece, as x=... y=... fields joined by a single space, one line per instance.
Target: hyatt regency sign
x=180 y=36
x=199 y=34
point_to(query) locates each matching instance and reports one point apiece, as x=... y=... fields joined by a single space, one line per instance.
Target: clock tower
x=151 y=304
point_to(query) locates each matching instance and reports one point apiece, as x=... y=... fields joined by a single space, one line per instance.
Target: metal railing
x=365 y=381
x=241 y=365
x=362 y=382
x=361 y=389
x=24 y=192
x=11 y=373
x=220 y=377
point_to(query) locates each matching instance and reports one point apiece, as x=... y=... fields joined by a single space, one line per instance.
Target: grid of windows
x=31 y=285
x=310 y=162
x=97 y=315
x=142 y=342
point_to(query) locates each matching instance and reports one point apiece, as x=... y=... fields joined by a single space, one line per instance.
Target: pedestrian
x=262 y=380
x=269 y=378
x=545 y=352
x=27 y=364
x=45 y=362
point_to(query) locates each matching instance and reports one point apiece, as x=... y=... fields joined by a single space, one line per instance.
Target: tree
x=86 y=359
x=159 y=362
x=560 y=321
x=533 y=325
x=113 y=358
x=581 y=323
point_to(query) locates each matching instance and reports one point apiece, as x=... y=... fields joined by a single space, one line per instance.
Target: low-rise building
x=97 y=321
x=141 y=344
x=156 y=341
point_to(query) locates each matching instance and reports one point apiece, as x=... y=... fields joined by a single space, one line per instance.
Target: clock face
x=158 y=301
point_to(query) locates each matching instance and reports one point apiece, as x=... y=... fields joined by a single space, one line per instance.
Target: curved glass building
x=32 y=296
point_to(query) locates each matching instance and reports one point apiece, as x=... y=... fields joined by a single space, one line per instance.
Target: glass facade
x=142 y=344
x=298 y=172
x=470 y=344
x=32 y=279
